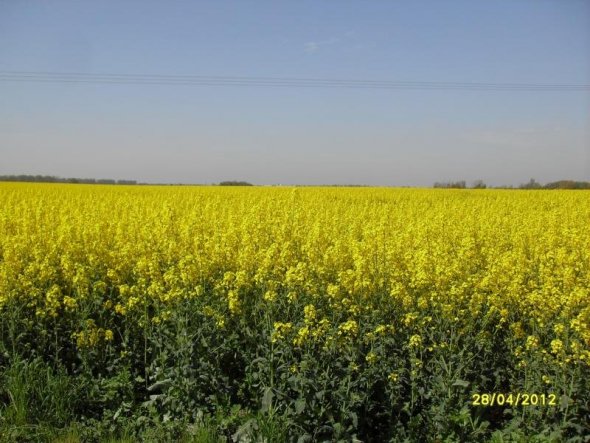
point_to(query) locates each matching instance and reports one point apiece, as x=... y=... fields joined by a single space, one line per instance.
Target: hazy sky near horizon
x=293 y=135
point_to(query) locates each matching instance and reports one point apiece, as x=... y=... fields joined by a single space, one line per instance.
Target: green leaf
x=299 y=406
x=160 y=385
x=461 y=383
x=354 y=418
x=267 y=400
x=564 y=401
x=304 y=438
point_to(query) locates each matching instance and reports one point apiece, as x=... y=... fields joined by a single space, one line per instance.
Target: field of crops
x=307 y=314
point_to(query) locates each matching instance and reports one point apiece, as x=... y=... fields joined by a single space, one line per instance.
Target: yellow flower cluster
x=280 y=329
x=92 y=335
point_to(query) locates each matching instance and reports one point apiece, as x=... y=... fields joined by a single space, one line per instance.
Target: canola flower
x=334 y=266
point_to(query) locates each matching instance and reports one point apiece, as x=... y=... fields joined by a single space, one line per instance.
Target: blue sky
x=269 y=135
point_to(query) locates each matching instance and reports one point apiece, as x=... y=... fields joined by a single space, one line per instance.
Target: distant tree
x=567 y=184
x=479 y=184
x=234 y=183
x=532 y=184
x=448 y=185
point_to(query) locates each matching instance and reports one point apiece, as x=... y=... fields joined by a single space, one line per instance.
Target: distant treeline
x=234 y=183
x=461 y=184
x=99 y=181
x=53 y=179
x=567 y=184
x=531 y=184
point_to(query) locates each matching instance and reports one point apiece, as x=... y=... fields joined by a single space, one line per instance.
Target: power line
x=199 y=80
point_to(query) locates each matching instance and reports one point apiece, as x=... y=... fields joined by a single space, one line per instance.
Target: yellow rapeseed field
x=392 y=283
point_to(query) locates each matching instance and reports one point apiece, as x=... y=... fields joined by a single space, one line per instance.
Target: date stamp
x=513 y=399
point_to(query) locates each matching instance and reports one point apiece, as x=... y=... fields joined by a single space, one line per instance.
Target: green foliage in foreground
x=183 y=380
